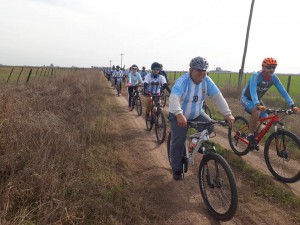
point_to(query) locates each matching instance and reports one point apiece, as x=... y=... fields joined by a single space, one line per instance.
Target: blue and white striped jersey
x=154 y=83
x=191 y=95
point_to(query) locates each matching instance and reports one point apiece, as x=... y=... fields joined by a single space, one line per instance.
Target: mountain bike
x=216 y=180
x=206 y=109
x=136 y=100
x=156 y=118
x=281 y=149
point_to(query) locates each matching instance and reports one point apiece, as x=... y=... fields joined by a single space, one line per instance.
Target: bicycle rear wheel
x=160 y=127
x=218 y=187
x=237 y=136
x=139 y=107
x=282 y=156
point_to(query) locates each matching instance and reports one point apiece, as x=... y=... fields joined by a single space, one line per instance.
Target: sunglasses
x=156 y=69
x=271 y=67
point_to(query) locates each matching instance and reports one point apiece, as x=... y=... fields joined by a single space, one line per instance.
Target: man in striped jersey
x=186 y=100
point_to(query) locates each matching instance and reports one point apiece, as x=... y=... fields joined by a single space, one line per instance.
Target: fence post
x=230 y=80
x=41 y=71
x=45 y=71
x=20 y=74
x=51 y=72
x=36 y=72
x=288 y=84
x=29 y=75
x=10 y=74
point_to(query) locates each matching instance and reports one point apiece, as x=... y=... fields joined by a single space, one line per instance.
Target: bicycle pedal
x=256 y=148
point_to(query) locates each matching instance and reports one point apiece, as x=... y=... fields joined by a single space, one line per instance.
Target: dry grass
x=54 y=138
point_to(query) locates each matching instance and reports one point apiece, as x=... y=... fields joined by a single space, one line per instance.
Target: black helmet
x=155 y=65
x=134 y=66
x=117 y=67
x=199 y=63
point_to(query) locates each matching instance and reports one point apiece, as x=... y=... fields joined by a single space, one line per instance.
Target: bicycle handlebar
x=278 y=111
x=194 y=124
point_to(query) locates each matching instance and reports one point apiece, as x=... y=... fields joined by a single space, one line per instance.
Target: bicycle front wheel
x=163 y=100
x=218 y=187
x=149 y=121
x=237 y=136
x=138 y=104
x=282 y=156
x=118 y=89
x=160 y=127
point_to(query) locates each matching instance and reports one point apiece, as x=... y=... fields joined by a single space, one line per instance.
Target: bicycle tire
x=225 y=206
x=163 y=99
x=206 y=109
x=149 y=122
x=239 y=131
x=118 y=89
x=283 y=165
x=138 y=104
x=160 y=127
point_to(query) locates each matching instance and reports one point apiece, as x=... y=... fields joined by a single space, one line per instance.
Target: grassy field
x=20 y=74
x=231 y=80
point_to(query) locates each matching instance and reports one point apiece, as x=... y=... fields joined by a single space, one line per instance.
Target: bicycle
x=136 y=100
x=156 y=117
x=216 y=180
x=281 y=149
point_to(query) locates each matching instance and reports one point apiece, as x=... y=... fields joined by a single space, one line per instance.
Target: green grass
x=231 y=80
x=263 y=186
x=20 y=74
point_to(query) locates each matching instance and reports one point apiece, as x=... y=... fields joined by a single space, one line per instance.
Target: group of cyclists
x=189 y=92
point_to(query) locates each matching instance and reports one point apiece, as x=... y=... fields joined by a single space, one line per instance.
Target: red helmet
x=269 y=61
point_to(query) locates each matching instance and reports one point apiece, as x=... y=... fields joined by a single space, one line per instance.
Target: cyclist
x=186 y=100
x=143 y=72
x=259 y=83
x=134 y=79
x=118 y=77
x=153 y=83
x=162 y=72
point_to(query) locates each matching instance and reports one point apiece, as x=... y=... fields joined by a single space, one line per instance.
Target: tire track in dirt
x=180 y=203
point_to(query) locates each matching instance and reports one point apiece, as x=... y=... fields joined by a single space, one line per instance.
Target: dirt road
x=180 y=203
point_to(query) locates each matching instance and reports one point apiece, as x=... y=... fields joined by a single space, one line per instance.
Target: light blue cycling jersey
x=257 y=87
x=192 y=95
x=154 y=83
x=134 y=78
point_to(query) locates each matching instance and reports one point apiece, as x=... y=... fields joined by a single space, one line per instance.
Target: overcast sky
x=92 y=32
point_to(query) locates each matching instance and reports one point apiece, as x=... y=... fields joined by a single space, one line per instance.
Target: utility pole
x=121 y=58
x=110 y=63
x=241 y=71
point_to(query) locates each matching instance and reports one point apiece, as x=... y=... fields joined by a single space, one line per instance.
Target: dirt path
x=180 y=203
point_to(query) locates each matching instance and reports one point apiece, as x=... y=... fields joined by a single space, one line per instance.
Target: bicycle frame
x=271 y=120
